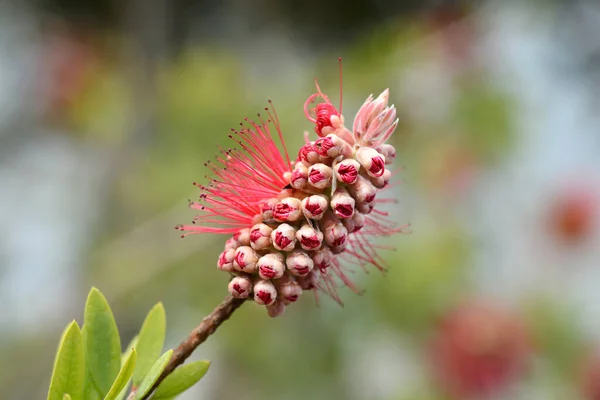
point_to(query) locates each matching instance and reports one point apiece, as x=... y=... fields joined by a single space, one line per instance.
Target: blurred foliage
x=89 y=364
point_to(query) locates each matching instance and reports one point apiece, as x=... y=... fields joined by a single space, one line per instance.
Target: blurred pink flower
x=479 y=350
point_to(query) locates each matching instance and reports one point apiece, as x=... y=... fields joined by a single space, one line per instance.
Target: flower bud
x=314 y=207
x=284 y=237
x=245 y=259
x=299 y=177
x=299 y=263
x=365 y=208
x=271 y=266
x=225 y=262
x=309 y=237
x=260 y=236
x=335 y=233
x=303 y=153
x=342 y=203
x=332 y=146
x=264 y=293
x=339 y=249
x=319 y=175
x=383 y=180
x=290 y=291
x=363 y=191
x=309 y=281
x=359 y=221
x=371 y=161
x=276 y=309
x=349 y=224
x=239 y=287
x=266 y=209
x=287 y=210
x=231 y=243
x=324 y=122
x=243 y=237
x=321 y=259
x=346 y=171
x=388 y=151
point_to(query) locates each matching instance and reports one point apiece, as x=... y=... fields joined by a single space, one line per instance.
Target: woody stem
x=197 y=336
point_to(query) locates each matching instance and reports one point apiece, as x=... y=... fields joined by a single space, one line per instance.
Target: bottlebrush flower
x=479 y=351
x=293 y=221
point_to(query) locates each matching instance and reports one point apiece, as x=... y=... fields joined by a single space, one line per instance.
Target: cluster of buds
x=325 y=196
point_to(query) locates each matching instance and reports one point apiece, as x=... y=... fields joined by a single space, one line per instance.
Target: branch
x=207 y=327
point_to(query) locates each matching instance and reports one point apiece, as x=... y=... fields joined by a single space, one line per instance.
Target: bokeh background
x=108 y=110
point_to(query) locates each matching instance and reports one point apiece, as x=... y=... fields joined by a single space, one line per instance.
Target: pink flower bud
x=363 y=191
x=349 y=224
x=342 y=203
x=243 y=237
x=276 y=309
x=324 y=123
x=388 y=151
x=245 y=259
x=383 y=180
x=322 y=259
x=299 y=263
x=359 y=221
x=271 y=266
x=371 y=161
x=313 y=207
x=231 y=243
x=260 y=236
x=290 y=291
x=303 y=153
x=239 y=287
x=309 y=281
x=264 y=293
x=299 y=177
x=287 y=210
x=284 y=237
x=309 y=237
x=346 y=171
x=266 y=209
x=335 y=233
x=319 y=175
x=364 y=208
x=339 y=249
x=332 y=146
x=225 y=262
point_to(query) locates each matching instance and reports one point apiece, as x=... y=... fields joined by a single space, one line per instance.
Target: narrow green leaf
x=123 y=378
x=102 y=342
x=90 y=392
x=153 y=374
x=150 y=342
x=69 y=366
x=132 y=344
x=181 y=379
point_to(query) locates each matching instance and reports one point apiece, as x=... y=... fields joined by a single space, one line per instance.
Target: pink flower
x=292 y=222
x=479 y=350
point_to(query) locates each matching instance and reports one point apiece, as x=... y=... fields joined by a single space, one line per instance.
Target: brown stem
x=209 y=324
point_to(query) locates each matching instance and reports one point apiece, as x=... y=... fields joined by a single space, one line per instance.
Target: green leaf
x=90 y=392
x=132 y=344
x=102 y=342
x=150 y=342
x=181 y=379
x=123 y=378
x=153 y=374
x=69 y=366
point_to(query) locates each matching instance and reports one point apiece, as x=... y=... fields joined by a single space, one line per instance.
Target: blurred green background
x=109 y=109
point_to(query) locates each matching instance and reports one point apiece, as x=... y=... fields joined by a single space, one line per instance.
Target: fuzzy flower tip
x=299 y=225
